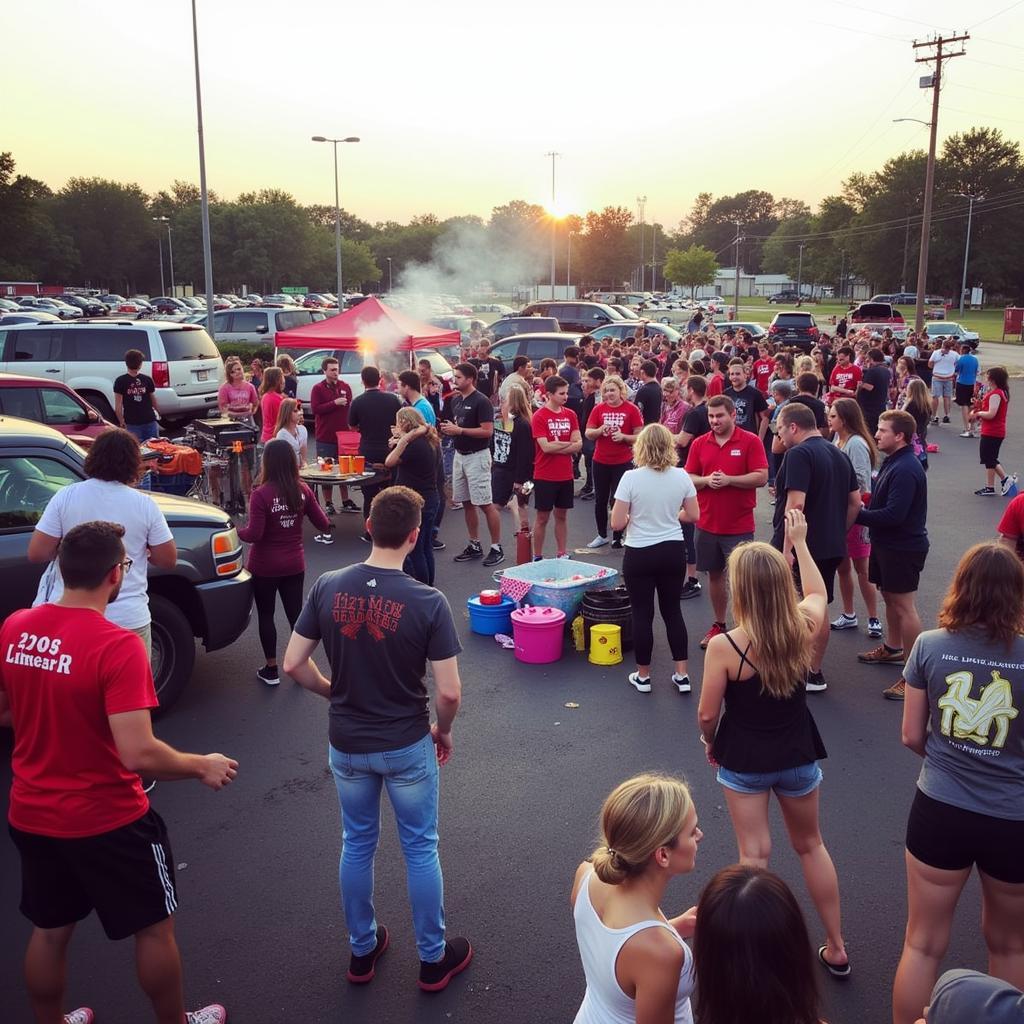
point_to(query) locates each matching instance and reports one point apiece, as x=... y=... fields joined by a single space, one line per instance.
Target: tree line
x=101 y=233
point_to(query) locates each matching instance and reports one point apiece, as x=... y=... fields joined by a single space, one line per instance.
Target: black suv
x=509 y=325
x=797 y=330
x=536 y=347
x=576 y=316
x=784 y=296
x=207 y=594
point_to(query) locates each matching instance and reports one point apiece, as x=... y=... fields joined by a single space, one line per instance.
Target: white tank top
x=604 y=1001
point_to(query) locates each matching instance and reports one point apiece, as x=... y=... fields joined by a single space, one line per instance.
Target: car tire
x=174 y=650
x=100 y=404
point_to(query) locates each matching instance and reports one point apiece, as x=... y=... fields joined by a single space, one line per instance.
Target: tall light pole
x=391 y=280
x=641 y=202
x=568 y=264
x=204 y=196
x=738 y=240
x=337 y=208
x=972 y=199
x=554 y=218
x=160 y=246
x=842 y=275
x=800 y=274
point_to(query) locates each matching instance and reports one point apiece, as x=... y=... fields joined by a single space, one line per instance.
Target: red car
x=53 y=403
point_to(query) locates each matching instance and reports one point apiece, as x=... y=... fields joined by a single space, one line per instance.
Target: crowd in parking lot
x=668 y=436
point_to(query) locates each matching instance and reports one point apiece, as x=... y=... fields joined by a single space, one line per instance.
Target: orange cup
x=358 y=464
x=344 y=464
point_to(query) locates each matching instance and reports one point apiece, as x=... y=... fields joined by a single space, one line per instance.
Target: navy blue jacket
x=898 y=514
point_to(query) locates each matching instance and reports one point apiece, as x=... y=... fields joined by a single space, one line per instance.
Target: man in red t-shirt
x=762 y=370
x=557 y=438
x=1011 y=526
x=727 y=465
x=77 y=690
x=845 y=376
x=330 y=399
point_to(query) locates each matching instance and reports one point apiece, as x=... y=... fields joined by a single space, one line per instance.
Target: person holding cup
x=330 y=400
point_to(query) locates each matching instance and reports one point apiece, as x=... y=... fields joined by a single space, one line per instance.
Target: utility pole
x=906 y=253
x=800 y=275
x=204 y=195
x=641 y=201
x=935 y=81
x=738 y=240
x=842 y=275
x=654 y=264
x=554 y=219
x=972 y=199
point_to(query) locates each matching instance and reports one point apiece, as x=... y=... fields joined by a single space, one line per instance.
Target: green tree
x=692 y=268
x=605 y=254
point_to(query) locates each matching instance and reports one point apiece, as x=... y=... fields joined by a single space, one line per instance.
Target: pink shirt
x=270 y=404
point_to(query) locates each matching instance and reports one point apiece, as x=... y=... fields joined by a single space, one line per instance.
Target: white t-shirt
x=144 y=528
x=943 y=364
x=297 y=441
x=655 y=498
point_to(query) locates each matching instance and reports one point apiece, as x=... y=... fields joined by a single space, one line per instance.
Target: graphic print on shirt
x=613 y=421
x=967 y=718
x=560 y=429
x=32 y=650
x=135 y=390
x=380 y=615
x=502 y=445
x=286 y=517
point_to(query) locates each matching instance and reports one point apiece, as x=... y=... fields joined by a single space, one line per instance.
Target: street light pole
x=337 y=208
x=967 y=245
x=204 y=195
x=160 y=246
x=554 y=218
x=800 y=275
x=170 y=253
x=391 y=280
x=641 y=202
x=568 y=264
x=738 y=227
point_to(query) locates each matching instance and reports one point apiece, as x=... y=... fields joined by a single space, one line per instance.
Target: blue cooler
x=488 y=619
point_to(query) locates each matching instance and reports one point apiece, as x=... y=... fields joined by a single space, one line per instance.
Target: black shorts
x=963 y=394
x=951 y=839
x=828 y=568
x=988 y=451
x=549 y=494
x=713 y=549
x=502 y=489
x=895 y=570
x=126 y=876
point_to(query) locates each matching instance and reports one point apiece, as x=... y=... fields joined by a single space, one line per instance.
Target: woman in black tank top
x=766 y=739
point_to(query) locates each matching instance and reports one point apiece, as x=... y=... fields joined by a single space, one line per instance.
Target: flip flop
x=504 y=640
x=836 y=970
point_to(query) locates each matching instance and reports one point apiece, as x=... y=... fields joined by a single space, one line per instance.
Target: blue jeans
x=791 y=782
x=420 y=563
x=411 y=778
x=143 y=431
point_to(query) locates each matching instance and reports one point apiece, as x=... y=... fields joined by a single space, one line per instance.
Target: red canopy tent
x=370 y=326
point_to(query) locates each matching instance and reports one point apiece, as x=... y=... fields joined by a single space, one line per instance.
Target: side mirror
x=262 y=329
x=92 y=416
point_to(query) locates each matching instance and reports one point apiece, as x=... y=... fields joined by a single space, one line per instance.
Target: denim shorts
x=790 y=782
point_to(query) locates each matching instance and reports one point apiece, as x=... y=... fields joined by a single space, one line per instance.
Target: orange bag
x=175 y=458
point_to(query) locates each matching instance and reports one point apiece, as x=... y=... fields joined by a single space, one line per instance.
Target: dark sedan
x=89 y=307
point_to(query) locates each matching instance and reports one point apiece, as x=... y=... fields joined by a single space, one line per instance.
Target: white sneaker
x=874 y=627
x=966 y=433
x=682 y=683
x=1007 y=482
x=643 y=685
x=844 y=622
x=83 y=1015
x=212 y=1014
x=597 y=542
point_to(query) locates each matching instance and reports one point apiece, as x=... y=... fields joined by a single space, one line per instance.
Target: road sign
x=295 y=291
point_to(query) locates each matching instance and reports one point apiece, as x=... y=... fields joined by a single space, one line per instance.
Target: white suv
x=252 y=325
x=183 y=361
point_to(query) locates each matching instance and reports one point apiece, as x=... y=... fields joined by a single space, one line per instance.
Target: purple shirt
x=275 y=532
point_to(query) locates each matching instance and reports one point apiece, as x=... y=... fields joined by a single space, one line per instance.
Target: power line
x=882 y=14
x=986 y=92
x=990 y=64
x=990 y=117
x=998 y=14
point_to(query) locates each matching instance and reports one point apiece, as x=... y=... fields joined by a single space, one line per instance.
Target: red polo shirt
x=728 y=510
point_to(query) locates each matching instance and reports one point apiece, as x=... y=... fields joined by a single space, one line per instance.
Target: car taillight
x=813 y=332
x=773 y=329
x=161 y=375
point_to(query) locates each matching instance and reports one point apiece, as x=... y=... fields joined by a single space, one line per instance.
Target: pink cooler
x=538 y=634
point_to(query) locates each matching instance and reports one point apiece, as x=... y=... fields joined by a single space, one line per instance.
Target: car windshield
x=793 y=320
x=193 y=343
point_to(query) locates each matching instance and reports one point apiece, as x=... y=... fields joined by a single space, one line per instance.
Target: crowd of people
x=672 y=445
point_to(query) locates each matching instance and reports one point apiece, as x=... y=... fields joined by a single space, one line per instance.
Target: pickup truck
x=207 y=595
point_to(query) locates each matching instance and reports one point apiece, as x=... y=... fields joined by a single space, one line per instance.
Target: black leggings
x=659 y=568
x=606 y=480
x=265 y=590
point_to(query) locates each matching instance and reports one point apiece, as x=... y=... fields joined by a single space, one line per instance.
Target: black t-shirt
x=472 y=410
x=571 y=376
x=291 y=386
x=513 y=450
x=379 y=628
x=695 y=423
x=488 y=374
x=648 y=401
x=418 y=467
x=877 y=398
x=749 y=404
x=817 y=406
x=137 y=406
x=826 y=476
x=373 y=414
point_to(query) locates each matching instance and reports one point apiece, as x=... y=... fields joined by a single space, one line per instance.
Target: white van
x=254 y=325
x=182 y=359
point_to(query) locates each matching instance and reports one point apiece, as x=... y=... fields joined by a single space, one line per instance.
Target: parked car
x=110 y=299
x=28 y=316
x=254 y=325
x=168 y=304
x=207 y=595
x=634 y=300
x=575 y=316
x=8 y=306
x=546 y=345
x=958 y=332
x=45 y=304
x=51 y=402
x=89 y=307
x=509 y=325
x=492 y=307
x=280 y=299
x=627 y=313
x=350 y=364
x=876 y=313
x=317 y=300
x=183 y=361
x=462 y=324
x=623 y=331
x=756 y=331
x=797 y=329
x=786 y=295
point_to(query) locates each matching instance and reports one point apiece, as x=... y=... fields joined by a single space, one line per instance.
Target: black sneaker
x=815 y=682
x=691 y=588
x=348 y=505
x=473 y=550
x=330 y=509
x=268 y=674
x=945 y=419
x=495 y=556
x=457 y=955
x=616 y=544
x=361 y=968
x=682 y=683
x=437 y=544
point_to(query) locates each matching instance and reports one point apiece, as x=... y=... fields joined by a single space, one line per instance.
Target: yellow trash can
x=605 y=644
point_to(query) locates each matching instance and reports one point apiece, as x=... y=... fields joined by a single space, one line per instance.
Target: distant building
x=8 y=288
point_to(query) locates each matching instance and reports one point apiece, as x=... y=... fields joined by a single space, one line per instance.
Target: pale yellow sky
x=457 y=102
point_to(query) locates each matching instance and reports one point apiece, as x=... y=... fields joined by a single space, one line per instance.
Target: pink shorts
x=857 y=545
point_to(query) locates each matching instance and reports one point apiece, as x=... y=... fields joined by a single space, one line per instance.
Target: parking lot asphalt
x=260 y=925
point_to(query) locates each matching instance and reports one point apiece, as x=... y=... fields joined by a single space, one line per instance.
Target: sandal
x=836 y=970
